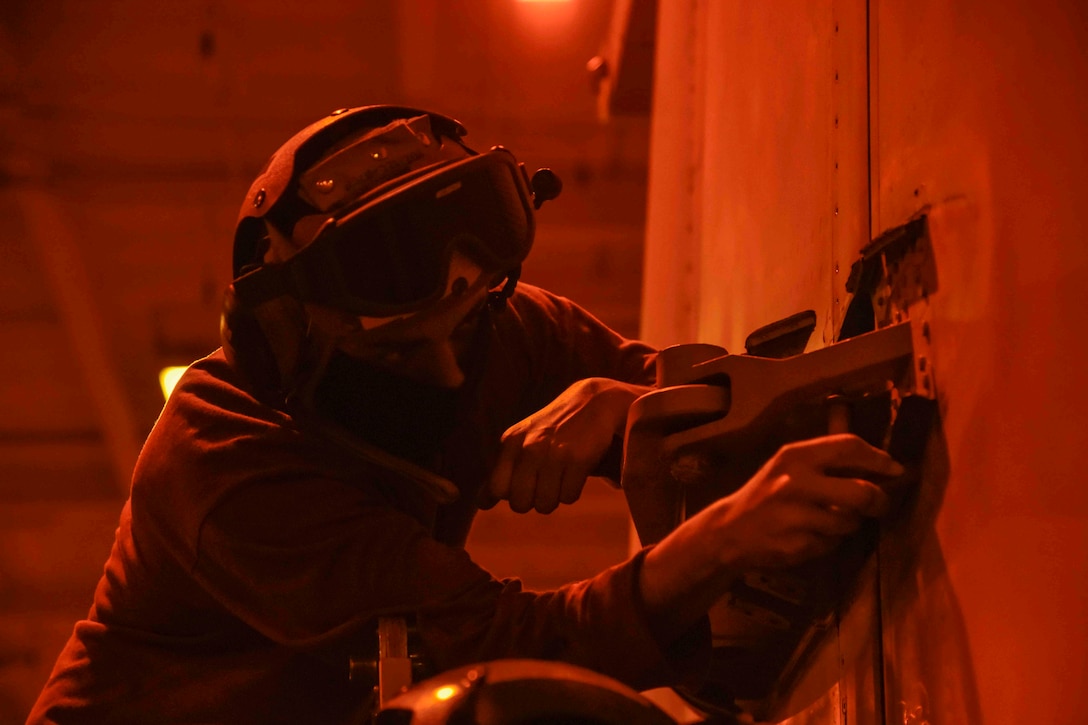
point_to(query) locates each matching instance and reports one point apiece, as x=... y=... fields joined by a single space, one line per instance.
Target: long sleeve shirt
x=253 y=557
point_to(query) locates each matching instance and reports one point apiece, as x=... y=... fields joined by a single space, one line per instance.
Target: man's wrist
x=618 y=397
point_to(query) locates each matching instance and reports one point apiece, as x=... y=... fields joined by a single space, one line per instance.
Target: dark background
x=129 y=133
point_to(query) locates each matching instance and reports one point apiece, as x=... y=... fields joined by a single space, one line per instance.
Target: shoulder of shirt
x=531 y=298
x=211 y=390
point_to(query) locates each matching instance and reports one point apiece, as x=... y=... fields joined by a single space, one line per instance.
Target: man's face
x=430 y=346
x=396 y=383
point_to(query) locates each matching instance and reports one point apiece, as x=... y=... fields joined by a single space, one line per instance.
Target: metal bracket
x=395 y=665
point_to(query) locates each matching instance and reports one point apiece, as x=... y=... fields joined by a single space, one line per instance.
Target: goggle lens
x=392 y=254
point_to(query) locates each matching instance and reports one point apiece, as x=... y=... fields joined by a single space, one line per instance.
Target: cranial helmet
x=363 y=212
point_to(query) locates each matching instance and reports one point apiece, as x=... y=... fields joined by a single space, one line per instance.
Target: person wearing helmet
x=383 y=375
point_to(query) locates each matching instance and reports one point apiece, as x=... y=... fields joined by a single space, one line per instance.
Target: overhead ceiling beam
x=50 y=232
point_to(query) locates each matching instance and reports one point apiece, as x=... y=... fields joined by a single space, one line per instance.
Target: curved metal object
x=731 y=411
x=709 y=428
x=521 y=691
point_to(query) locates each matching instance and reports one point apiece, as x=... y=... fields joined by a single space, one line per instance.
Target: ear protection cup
x=264 y=343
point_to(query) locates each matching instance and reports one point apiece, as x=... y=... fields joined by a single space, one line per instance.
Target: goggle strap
x=497 y=299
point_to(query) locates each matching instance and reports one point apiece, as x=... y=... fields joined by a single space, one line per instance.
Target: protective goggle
x=390 y=253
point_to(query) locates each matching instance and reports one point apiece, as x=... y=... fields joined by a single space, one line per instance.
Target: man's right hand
x=802 y=502
x=799 y=505
x=546 y=458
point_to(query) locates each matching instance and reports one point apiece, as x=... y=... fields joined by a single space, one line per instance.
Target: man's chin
x=404 y=417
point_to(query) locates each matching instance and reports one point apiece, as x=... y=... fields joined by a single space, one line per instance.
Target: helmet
x=362 y=212
x=521 y=692
x=273 y=195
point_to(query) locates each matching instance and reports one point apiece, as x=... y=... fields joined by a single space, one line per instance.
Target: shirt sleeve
x=312 y=564
x=556 y=342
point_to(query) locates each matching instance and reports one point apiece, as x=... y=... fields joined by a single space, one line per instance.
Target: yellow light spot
x=445 y=693
x=168 y=378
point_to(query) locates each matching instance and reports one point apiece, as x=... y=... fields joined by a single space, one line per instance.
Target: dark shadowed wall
x=129 y=132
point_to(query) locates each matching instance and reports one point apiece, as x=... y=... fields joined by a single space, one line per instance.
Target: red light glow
x=547 y=18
